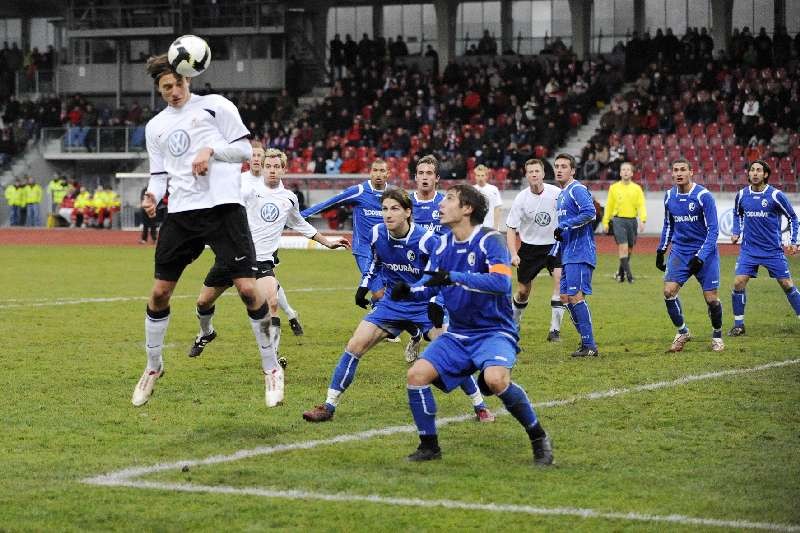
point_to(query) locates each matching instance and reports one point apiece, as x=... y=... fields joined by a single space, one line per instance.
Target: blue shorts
x=396 y=317
x=576 y=277
x=364 y=262
x=778 y=266
x=455 y=356
x=678 y=270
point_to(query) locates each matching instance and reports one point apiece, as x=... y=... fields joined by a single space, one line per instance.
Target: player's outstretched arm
x=337 y=242
x=349 y=195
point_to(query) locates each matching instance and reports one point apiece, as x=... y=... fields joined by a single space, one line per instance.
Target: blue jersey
x=426 y=213
x=576 y=214
x=366 y=203
x=757 y=218
x=690 y=222
x=403 y=259
x=479 y=300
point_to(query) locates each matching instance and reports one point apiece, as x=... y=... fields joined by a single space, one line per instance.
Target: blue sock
x=583 y=319
x=715 y=314
x=470 y=388
x=518 y=404
x=571 y=309
x=793 y=296
x=676 y=313
x=423 y=408
x=343 y=375
x=738 y=300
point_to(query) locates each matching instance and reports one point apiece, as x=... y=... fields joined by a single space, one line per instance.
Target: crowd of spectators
x=492 y=112
x=687 y=100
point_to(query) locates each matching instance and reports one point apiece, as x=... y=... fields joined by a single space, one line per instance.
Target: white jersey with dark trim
x=268 y=211
x=174 y=138
x=535 y=216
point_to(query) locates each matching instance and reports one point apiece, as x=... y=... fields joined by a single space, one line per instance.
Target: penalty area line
x=457 y=505
x=128 y=474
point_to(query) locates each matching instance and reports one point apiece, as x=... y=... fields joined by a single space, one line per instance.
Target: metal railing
x=78 y=139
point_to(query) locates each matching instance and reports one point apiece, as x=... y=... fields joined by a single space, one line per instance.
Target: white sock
x=284 y=304
x=333 y=397
x=275 y=333
x=155 y=329
x=556 y=314
x=206 y=328
x=269 y=360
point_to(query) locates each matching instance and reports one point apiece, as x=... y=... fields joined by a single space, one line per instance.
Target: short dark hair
x=469 y=195
x=680 y=160
x=571 y=159
x=764 y=165
x=401 y=197
x=158 y=66
x=429 y=160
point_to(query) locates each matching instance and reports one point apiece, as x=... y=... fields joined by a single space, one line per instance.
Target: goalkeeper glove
x=436 y=314
x=438 y=278
x=660 y=264
x=695 y=265
x=558 y=233
x=361 y=297
x=401 y=291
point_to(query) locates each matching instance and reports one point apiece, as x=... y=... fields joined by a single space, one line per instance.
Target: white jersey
x=534 y=215
x=493 y=199
x=176 y=135
x=268 y=211
x=248 y=178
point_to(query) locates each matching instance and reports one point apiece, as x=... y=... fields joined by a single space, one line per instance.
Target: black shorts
x=625 y=230
x=532 y=259
x=219 y=275
x=224 y=228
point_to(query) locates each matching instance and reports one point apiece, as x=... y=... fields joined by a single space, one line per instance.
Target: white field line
x=459 y=505
x=44 y=302
x=127 y=477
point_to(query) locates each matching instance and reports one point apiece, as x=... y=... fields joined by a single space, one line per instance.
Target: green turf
x=723 y=448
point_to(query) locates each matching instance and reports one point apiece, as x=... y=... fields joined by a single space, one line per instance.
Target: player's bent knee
x=421 y=373
x=495 y=380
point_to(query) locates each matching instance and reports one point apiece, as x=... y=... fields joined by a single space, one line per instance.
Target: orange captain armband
x=500 y=269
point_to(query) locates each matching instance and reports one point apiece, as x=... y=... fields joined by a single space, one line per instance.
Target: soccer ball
x=189 y=55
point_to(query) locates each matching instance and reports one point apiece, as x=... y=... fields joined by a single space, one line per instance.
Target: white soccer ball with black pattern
x=189 y=55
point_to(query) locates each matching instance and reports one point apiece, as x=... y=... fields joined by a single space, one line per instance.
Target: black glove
x=552 y=263
x=438 y=278
x=557 y=233
x=401 y=291
x=695 y=265
x=361 y=297
x=660 y=264
x=436 y=314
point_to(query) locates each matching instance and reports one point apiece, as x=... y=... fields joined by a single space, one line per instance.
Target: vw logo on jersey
x=691 y=206
x=471 y=259
x=726 y=222
x=178 y=142
x=270 y=212
x=542 y=219
x=411 y=255
x=435 y=215
x=764 y=202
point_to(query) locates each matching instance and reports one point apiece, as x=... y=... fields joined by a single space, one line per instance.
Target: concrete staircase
x=578 y=140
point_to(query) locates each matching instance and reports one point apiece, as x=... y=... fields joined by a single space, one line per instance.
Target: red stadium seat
x=575 y=120
x=540 y=151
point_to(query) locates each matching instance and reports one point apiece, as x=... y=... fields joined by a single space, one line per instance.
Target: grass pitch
x=719 y=453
